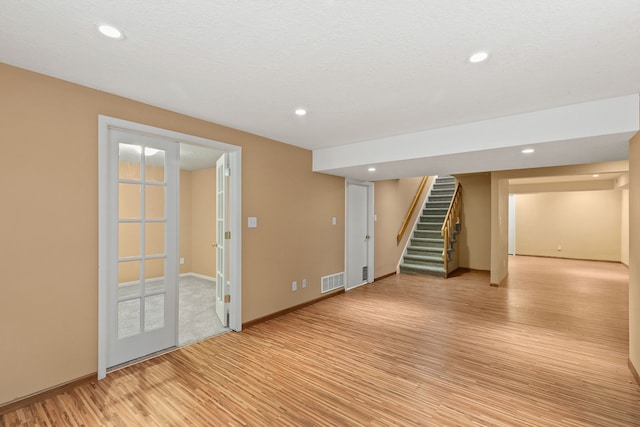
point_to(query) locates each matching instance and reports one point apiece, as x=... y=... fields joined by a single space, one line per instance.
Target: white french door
x=138 y=239
x=142 y=260
x=221 y=265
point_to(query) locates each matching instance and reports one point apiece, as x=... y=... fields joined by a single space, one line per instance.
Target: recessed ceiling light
x=301 y=112
x=478 y=57
x=595 y=175
x=371 y=169
x=110 y=31
x=528 y=150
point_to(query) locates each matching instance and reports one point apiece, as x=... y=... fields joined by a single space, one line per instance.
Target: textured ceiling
x=363 y=69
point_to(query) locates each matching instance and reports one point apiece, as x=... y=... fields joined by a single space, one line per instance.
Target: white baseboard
x=198 y=275
x=159 y=279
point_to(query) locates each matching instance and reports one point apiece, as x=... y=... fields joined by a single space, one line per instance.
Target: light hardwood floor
x=548 y=348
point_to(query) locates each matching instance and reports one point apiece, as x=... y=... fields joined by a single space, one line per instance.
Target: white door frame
x=105 y=199
x=370 y=227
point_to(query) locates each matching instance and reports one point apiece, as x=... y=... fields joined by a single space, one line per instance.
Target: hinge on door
x=227 y=235
x=227 y=298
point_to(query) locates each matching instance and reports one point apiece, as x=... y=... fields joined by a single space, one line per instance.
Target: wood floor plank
x=547 y=348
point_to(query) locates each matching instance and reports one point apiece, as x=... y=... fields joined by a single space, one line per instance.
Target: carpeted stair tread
x=424 y=269
x=432 y=258
x=427 y=240
x=437 y=236
x=439 y=205
x=434 y=219
x=426 y=249
x=430 y=224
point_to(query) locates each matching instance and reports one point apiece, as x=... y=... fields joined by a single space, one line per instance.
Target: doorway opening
x=198 y=247
x=159 y=287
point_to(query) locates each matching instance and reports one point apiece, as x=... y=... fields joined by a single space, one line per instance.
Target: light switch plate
x=252 y=222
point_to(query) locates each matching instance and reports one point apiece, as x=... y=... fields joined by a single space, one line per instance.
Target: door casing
x=106 y=199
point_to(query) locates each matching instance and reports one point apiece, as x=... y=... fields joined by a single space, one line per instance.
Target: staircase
x=424 y=253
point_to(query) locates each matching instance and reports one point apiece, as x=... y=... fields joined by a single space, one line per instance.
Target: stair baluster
x=451 y=225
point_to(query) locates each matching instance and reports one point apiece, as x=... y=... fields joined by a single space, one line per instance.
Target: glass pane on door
x=129 y=164
x=128 y=239
x=129 y=200
x=128 y=279
x=154 y=238
x=154 y=312
x=154 y=165
x=154 y=202
x=154 y=276
x=128 y=318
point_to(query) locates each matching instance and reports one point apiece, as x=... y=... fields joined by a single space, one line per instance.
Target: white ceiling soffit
x=364 y=70
x=611 y=176
x=590 y=132
x=590 y=182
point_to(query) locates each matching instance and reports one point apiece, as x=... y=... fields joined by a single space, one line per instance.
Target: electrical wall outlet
x=294 y=286
x=304 y=283
x=181 y=261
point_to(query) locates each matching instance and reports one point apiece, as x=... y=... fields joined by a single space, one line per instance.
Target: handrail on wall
x=450 y=222
x=412 y=209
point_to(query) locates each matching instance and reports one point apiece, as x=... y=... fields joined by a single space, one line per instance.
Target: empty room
x=320 y=213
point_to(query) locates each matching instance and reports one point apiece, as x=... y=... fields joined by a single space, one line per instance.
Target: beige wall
x=295 y=238
x=624 y=227
x=475 y=235
x=499 y=229
x=203 y=213
x=49 y=224
x=586 y=224
x=634 y=251
x=392 y=200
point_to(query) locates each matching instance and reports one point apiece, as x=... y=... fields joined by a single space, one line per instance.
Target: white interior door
x=142 y=261
x=221 y=265
x=359 y=235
